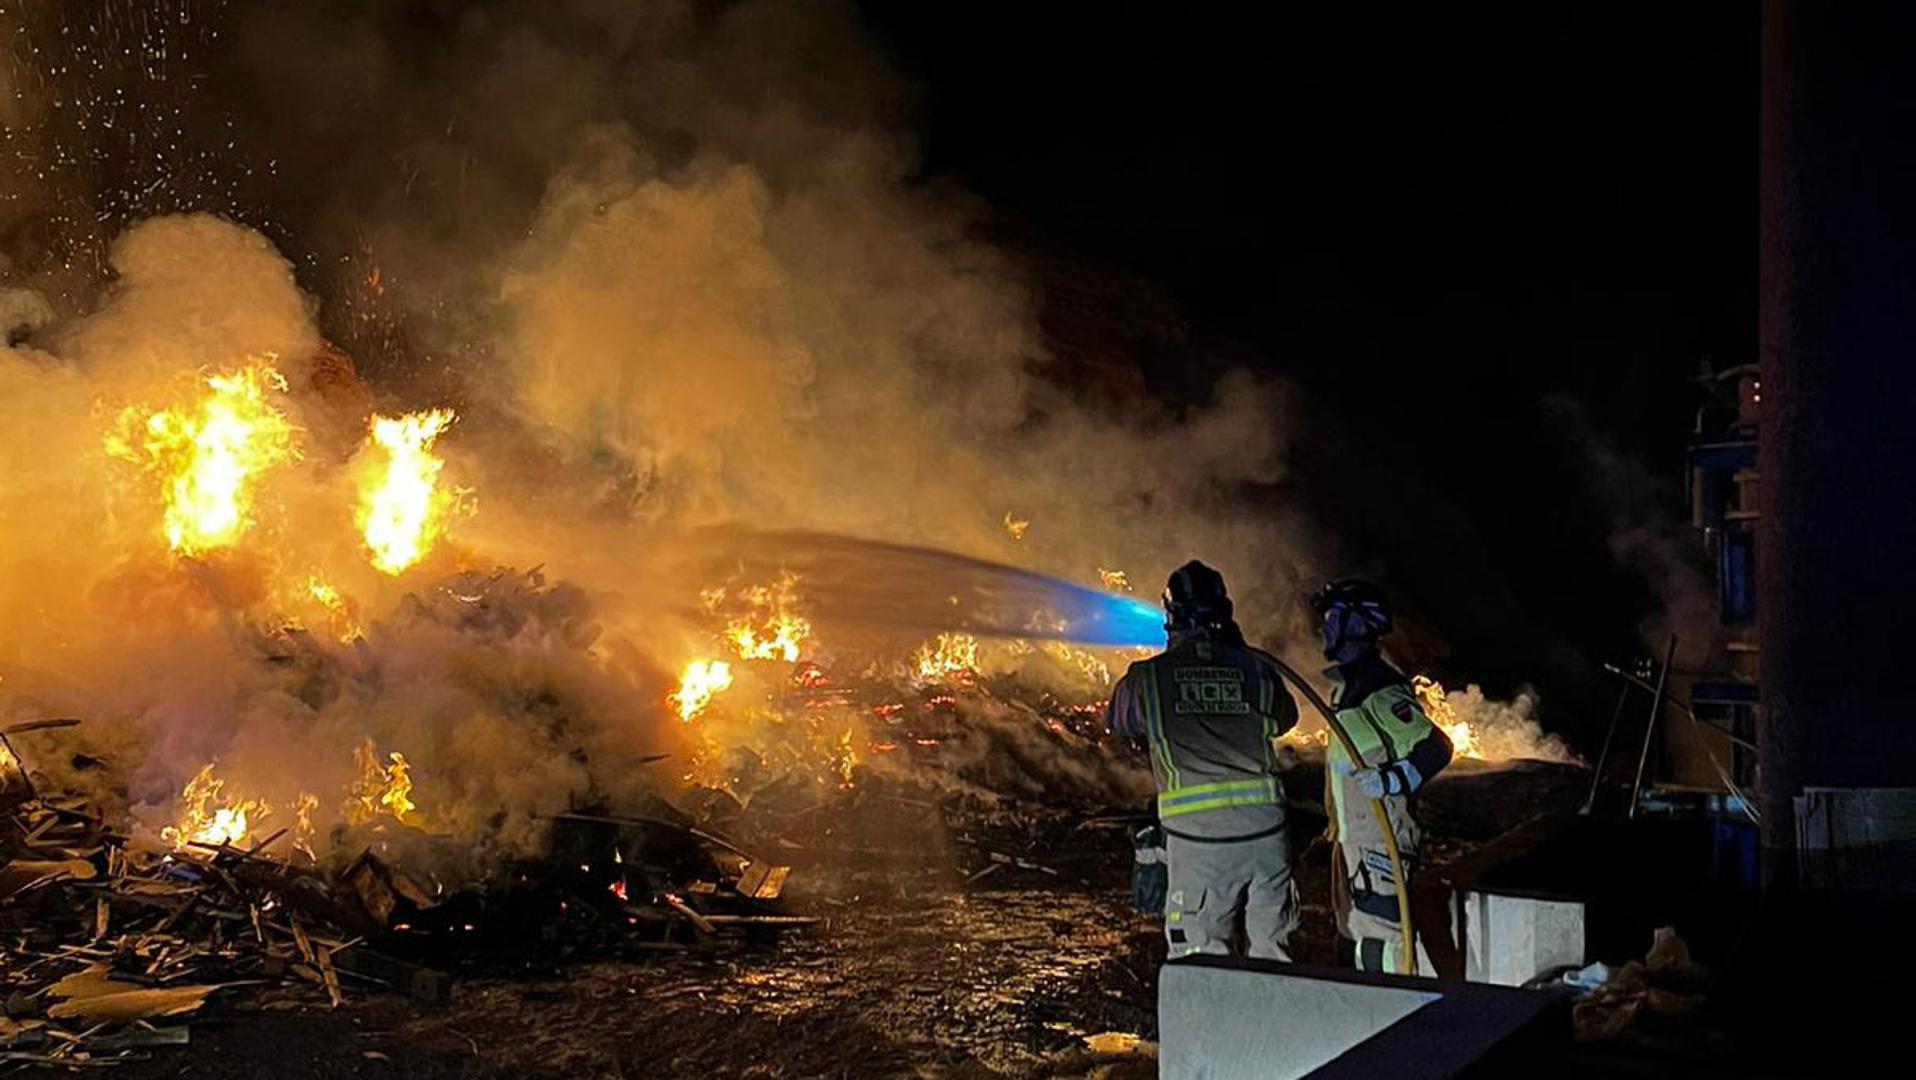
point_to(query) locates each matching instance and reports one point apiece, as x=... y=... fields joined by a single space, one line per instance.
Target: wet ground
x=913 y=973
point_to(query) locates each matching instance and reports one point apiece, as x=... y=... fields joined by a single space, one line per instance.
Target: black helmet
x=1361 y=596
x=1195 y=594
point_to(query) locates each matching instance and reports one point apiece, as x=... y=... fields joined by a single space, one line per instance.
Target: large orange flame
x=208 y=455
x=402 y=506
x=701 y=681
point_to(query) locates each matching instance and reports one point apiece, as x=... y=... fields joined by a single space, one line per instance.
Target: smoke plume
x=671 y=265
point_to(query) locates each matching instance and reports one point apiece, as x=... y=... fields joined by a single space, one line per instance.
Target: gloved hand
x=1396 y=778
x=1374 y=783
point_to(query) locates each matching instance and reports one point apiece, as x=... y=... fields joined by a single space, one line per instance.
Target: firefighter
x=1209 y=707
x=1400 y=750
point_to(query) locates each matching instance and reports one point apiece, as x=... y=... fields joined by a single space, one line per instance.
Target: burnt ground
x=914 y=973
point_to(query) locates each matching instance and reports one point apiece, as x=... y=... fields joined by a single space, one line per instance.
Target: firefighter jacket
x=1209 y=706
x=1378 y=710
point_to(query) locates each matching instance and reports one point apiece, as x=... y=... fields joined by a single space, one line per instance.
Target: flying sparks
x=208 y=456
x=1015 y=527
x=402 y=506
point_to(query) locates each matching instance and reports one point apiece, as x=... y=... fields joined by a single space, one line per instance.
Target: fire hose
x=1407 y=933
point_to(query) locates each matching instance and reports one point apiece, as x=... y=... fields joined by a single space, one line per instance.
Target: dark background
x=1493 y=246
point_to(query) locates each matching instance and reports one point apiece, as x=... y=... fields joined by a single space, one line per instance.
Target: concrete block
x=1508 y=940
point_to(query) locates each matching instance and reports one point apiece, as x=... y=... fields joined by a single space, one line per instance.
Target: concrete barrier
x=1224 y=1019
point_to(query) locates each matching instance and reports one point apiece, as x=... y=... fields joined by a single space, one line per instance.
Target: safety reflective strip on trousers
x=1376 y=954
x=1259 y=792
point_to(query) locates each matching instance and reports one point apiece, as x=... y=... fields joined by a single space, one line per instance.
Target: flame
x=1084 y=660
x=303 y=808
x=770 y=627
x=1314 y=738
x=341 y=613
x=402 y=507
x=1114 y=580
x=1431 y=698
x=207 y=818
x=380 y=788
x=948 y=657
x=1015 y=526
x=397 y=797
x=207 y=456
x=1436 y=705
x=701 y=681
x=844 y=757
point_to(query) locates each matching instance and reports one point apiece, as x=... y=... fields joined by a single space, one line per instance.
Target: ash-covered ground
x=916 y=970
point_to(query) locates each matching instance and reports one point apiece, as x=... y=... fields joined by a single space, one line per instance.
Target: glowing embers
x=947 y=658
x=763 y=621
x=208 y=455
x=381 y=788
x=1436 y=705
x=699 y=683
x=403 y=508
x=208 y=816
x=1016 y=527
x=1114 y=580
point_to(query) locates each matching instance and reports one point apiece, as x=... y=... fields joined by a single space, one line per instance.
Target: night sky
x=1491 y=246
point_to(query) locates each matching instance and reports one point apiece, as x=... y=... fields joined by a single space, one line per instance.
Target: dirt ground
x=913 y=974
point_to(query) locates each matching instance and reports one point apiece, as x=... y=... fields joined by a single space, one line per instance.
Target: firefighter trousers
x=1230 y=897
x=1367 y=900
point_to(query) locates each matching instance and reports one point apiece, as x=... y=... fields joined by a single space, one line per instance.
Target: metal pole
x=1650 y=728
x=1596 y=780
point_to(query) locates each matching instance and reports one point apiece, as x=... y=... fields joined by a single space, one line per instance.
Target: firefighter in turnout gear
x=1400 y=750
x=1209 y=706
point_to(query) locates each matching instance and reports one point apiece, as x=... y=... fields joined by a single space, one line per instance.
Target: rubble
x=109 y=945
x=1665 y=983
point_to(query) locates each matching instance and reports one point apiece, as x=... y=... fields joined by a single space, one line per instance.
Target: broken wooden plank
x=131 y=1002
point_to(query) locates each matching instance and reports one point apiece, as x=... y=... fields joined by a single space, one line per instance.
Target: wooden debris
x=763 y=881
x=130 y=1002
x=104 y=936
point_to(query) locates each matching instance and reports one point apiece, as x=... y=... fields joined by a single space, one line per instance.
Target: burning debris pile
x=106 y=936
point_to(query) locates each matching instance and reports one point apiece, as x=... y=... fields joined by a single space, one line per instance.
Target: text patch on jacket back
x=1210 y=690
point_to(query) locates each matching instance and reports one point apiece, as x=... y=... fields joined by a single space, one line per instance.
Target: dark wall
x=1837 y=547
